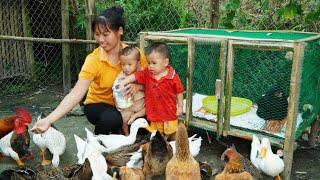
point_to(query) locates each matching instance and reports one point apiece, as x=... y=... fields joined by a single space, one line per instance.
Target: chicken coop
x=241 y=83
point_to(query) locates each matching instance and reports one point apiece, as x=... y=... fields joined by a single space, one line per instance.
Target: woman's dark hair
x=111 y=18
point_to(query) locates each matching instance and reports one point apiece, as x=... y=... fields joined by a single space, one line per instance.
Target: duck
x=94 y=142
x=182 y=166
x=269 y=163
x=115 y=141
x=254 y=152
x=16 y=143
x=54 y=141
x=123 y=155
x=156 y=154
x=194 y=145
x=97 y=162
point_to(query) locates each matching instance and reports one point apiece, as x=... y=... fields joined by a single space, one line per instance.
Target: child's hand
x=131 y=120
x=179 y=110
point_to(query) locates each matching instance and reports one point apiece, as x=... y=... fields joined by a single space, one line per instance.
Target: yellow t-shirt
x=97 y=67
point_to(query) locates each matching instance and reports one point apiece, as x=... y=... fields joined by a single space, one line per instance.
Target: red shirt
x=160 y=96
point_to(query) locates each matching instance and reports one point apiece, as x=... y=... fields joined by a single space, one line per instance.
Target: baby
x=129 y=107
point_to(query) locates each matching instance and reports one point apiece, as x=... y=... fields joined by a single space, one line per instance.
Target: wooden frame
x=228 y=43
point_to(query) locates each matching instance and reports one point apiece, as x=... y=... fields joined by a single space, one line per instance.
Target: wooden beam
x=189 y=74
x=222 y=73
x=65 y=47
x=27 y=33
x=293 y=107
x=229 y=79
x=90 y=10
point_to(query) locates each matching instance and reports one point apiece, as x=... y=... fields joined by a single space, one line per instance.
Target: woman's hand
x=41 y=126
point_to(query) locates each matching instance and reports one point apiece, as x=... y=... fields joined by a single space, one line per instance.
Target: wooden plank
x=222 y=72
x=293 y=107
x=65 y=47
x=263 y=44
x=142 y=41
x=189 y=83
x=47 y=40
x=229 y=79
x=90 y=10
x=27 y=33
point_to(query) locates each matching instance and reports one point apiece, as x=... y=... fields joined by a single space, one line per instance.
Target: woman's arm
x=68 y=102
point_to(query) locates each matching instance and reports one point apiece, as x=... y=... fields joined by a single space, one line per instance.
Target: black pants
x=104 y=117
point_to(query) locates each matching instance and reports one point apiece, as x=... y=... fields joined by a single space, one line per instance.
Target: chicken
x=53 y=140
x=273 y=105
x=125 y=173
x=16 y=143
x=233 y=169
x=156 y=155
x=182 y=165
x=6 y=125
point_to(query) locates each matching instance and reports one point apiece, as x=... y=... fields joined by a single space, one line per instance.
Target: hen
x=53 y=140
x=6 y=125
x=233 y=169
x=156 y=155
x=182 y=165
x=16 y=143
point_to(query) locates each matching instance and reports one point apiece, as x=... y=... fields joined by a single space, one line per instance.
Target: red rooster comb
x=23 y=114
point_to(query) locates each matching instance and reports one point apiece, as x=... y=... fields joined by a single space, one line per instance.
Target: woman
x=97 y=76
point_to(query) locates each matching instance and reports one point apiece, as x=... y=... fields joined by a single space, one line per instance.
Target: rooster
x=6 y=125
x=182 y=165
x=233 y=169
x=16 y=143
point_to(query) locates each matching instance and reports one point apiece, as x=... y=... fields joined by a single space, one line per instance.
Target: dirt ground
x=305 y=161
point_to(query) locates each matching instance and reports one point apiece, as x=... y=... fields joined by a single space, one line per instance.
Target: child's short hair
x=160 y=48
x=130 y=49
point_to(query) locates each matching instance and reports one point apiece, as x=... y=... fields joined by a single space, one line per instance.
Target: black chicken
x=273 y=105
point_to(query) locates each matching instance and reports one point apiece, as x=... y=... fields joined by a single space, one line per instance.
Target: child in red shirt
x=163 y=90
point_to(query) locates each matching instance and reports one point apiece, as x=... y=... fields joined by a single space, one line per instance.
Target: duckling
x=98 y=164
x=156 y=155
x=269 y=163
x=52 y=139
x=115 y=141
x=182 y=165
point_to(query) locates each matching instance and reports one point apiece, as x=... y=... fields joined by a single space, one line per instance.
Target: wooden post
x=27 y=33
x=142 y=41
x=214 y=13
x=293 y=107
x=90 y=10
x=229 y=77
x=65 y=46
x=189 y=74
x=222 y=72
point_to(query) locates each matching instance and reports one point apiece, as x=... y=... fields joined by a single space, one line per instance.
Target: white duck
x=271 y=164
x=194 y=145
x=94 y=142
x=98 y=164
x=114 y=141
x=53 y=140
x=255 y=148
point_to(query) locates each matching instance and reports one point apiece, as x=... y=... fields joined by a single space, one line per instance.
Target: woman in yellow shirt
x=97 y=76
